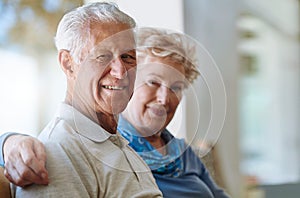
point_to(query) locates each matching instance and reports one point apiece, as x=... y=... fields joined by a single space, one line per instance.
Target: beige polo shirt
x=84 y=160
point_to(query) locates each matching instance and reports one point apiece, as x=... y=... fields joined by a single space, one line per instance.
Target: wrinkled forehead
x=165 y=68
x=117 y=41
x=161 y=64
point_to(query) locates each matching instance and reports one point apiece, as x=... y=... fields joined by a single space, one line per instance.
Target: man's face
x=105 y=79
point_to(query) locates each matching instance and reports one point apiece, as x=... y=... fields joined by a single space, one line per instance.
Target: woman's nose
x=163 y=95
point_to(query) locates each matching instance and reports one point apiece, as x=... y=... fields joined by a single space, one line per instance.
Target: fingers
x=34 y=157
x=25 y=160
x=40 y=151
x=13 y=176
x=40 y=154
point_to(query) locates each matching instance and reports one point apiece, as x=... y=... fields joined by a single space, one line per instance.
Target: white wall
x=30 y=92
x=155 y=13
x=18 y=97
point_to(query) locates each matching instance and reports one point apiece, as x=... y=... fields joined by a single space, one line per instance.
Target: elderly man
x=85 y=155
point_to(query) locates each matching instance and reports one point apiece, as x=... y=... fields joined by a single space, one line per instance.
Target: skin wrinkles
x=158 y=91
x=102 y=84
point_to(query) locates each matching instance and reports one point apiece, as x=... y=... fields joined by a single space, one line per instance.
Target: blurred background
x=255 y=45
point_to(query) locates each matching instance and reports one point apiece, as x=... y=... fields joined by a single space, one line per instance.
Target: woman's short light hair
x=165 y=44
x=73 y=30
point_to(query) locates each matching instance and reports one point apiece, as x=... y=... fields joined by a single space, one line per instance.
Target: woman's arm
x=205 y=176
x=24 y=159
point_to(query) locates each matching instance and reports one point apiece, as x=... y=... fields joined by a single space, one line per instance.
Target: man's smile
x=111 y=87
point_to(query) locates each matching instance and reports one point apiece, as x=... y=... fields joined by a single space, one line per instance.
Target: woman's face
x=157 y=93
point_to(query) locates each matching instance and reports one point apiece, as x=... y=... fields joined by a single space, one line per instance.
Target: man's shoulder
x=57 y=130
x=60 y=138
x=63 y=144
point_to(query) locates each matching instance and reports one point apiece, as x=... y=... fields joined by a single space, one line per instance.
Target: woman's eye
x=153 y=83
x=177 y=89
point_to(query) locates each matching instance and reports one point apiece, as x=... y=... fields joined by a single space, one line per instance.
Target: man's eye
x=104 y=58
x=129 y=59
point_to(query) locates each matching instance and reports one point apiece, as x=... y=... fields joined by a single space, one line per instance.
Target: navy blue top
x=194 y=179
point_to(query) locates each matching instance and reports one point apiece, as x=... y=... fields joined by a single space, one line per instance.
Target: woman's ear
x=66 y=63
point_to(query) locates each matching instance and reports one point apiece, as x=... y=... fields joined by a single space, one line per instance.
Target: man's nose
x=118 y=70
x=163 y=95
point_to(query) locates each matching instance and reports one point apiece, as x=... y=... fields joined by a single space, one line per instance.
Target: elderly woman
x=165 y=69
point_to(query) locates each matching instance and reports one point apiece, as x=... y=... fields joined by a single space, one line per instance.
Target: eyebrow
x=161 y=77
x=129 y=50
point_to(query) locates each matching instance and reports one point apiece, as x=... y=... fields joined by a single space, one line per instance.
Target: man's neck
x=108 y=122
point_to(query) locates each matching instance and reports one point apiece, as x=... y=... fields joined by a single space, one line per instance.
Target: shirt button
x=115 y=140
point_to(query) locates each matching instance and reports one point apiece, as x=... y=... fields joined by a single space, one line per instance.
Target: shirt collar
x=82 y=124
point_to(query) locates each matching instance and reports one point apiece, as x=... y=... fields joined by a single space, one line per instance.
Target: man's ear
x=66 y=63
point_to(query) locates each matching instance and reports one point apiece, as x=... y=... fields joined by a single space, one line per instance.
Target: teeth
x=113 y=87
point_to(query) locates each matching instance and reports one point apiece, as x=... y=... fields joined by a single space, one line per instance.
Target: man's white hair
x=73 y=31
